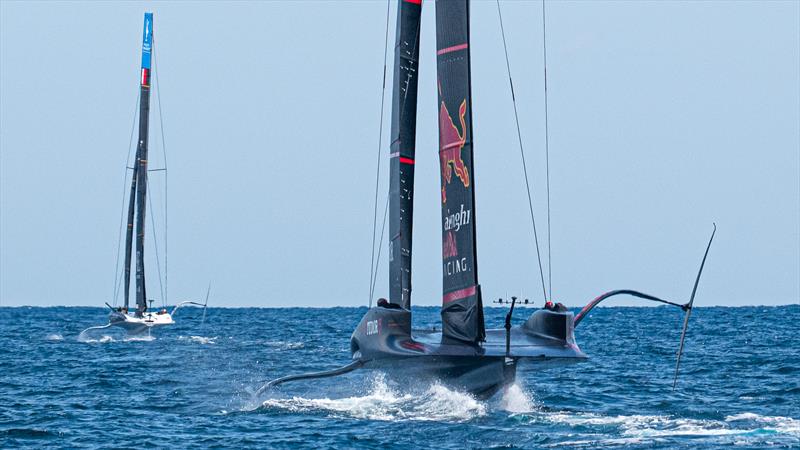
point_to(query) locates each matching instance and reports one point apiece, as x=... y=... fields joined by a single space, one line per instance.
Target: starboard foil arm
x=586 y=309
x=311 y=375
x=190 y=302
x=187 y=302
x=99 y=327
x=686 y=306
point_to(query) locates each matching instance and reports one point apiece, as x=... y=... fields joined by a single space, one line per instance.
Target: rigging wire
x=155 y=243
x=522 y=153
x=166 y=178
x=118 y=274
x=547 y=153
x=373 y=268
x=378 y=259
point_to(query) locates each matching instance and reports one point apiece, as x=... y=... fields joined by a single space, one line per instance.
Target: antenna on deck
x=688 y=308
x=508 y=326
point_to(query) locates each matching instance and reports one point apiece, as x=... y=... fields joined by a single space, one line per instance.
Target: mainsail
x=138 y=195
x=404 y=128
x=129 y=230
x=462 y=310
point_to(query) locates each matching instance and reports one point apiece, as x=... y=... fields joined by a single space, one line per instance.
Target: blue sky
x=664 y=117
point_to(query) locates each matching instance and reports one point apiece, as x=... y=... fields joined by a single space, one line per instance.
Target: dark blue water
x=191 y=386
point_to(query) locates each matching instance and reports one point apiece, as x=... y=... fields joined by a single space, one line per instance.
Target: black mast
x=462 y=309
x=139 y=180
x=404 y=129
x=129 y=230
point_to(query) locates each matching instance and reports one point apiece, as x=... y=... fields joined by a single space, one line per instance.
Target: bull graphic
x=450 y=144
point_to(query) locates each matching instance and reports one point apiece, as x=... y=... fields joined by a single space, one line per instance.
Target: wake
x=86 y=336
x=439 y=403
x=387 y=402
x=740 y=429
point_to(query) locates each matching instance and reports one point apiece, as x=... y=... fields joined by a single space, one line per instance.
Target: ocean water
x=191 y=386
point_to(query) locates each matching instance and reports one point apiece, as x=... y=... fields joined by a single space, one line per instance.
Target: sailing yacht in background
x=142 y=318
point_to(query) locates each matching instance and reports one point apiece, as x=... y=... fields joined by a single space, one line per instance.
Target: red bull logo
x=451 y=141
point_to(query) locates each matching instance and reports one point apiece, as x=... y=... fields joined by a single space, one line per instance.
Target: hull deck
x=139 y=325
x=384 y=341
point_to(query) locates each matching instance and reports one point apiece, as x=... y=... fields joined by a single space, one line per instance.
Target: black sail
x=141 y=162
x=404 y=129
x=129 y=230
x=462 y=310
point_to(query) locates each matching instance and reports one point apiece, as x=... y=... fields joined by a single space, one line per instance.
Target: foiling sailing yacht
x=463 y=353
x=141 y=319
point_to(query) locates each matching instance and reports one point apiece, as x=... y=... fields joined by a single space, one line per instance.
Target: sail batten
x=462 y=309
x=402 y=151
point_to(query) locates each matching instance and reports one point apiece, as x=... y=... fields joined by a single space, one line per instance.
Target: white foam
x=139 y=338
x=54 y=337
x=437 y=403
x=745 y=428
x=284 y=345
x=641 y=426
x=84 y=335
x=779 y=424
x=441 y=403
x=199 y=339
x=516 y=401
x=614 y=442
x=101 y=340
x=105 y=339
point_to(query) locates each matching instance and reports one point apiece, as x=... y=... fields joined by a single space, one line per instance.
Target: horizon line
x=504 y=305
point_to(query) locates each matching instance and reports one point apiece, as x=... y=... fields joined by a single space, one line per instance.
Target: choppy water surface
x=191 y=386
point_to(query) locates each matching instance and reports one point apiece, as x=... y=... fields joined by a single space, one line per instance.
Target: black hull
x=481 y=376
x=383 y=341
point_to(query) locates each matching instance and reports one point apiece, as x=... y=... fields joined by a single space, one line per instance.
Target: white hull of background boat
x=138 y=325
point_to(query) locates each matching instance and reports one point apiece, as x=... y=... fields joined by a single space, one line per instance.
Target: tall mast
x=462 y=309
x=402 y=148
x=141 y=161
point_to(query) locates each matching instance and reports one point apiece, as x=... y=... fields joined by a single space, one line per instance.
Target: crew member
x=383 y=303
x=555 y=307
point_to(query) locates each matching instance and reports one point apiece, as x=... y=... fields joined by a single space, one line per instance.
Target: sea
x=193 y=385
